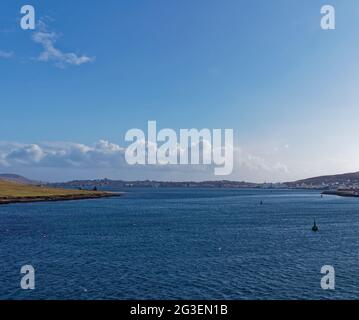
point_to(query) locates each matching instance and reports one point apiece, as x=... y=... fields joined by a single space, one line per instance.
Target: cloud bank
x=58 y=161
x=61 y=154
x=50 y=53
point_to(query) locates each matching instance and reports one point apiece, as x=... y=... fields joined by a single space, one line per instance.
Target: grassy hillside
x=335 y=178
x=12 y=192
x=17 y=178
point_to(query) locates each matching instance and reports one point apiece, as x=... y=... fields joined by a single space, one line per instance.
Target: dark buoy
x=261 y=203
x=315 y=228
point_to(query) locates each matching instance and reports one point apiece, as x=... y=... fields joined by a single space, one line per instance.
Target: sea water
x=182 y=244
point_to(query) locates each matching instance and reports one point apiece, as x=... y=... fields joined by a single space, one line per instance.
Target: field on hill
x=11 y=192
x=11 y=189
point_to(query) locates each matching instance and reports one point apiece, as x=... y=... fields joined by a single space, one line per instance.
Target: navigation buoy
x=315 y=227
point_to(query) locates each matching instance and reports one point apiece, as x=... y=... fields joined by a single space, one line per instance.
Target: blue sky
x=263 y=68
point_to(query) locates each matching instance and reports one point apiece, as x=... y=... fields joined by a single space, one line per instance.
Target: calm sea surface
x=182 y=244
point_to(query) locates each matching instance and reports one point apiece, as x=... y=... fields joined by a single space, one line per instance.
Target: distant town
x=347 y=182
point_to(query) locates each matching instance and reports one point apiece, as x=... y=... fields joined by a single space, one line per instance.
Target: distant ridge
x=17 y=178
x=350 y=180
x=330 y=179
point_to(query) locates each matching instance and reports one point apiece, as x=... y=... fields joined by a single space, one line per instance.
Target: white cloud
x=27 y=154
x=52 y=54
x=69 y=159
x=6 y=54
x=108 y=147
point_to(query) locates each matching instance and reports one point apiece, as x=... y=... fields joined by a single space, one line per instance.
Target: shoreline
x=55 y=198
x=344 y=193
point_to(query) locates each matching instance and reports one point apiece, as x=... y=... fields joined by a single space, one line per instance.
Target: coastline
x=342 y=193
x=54 y=198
